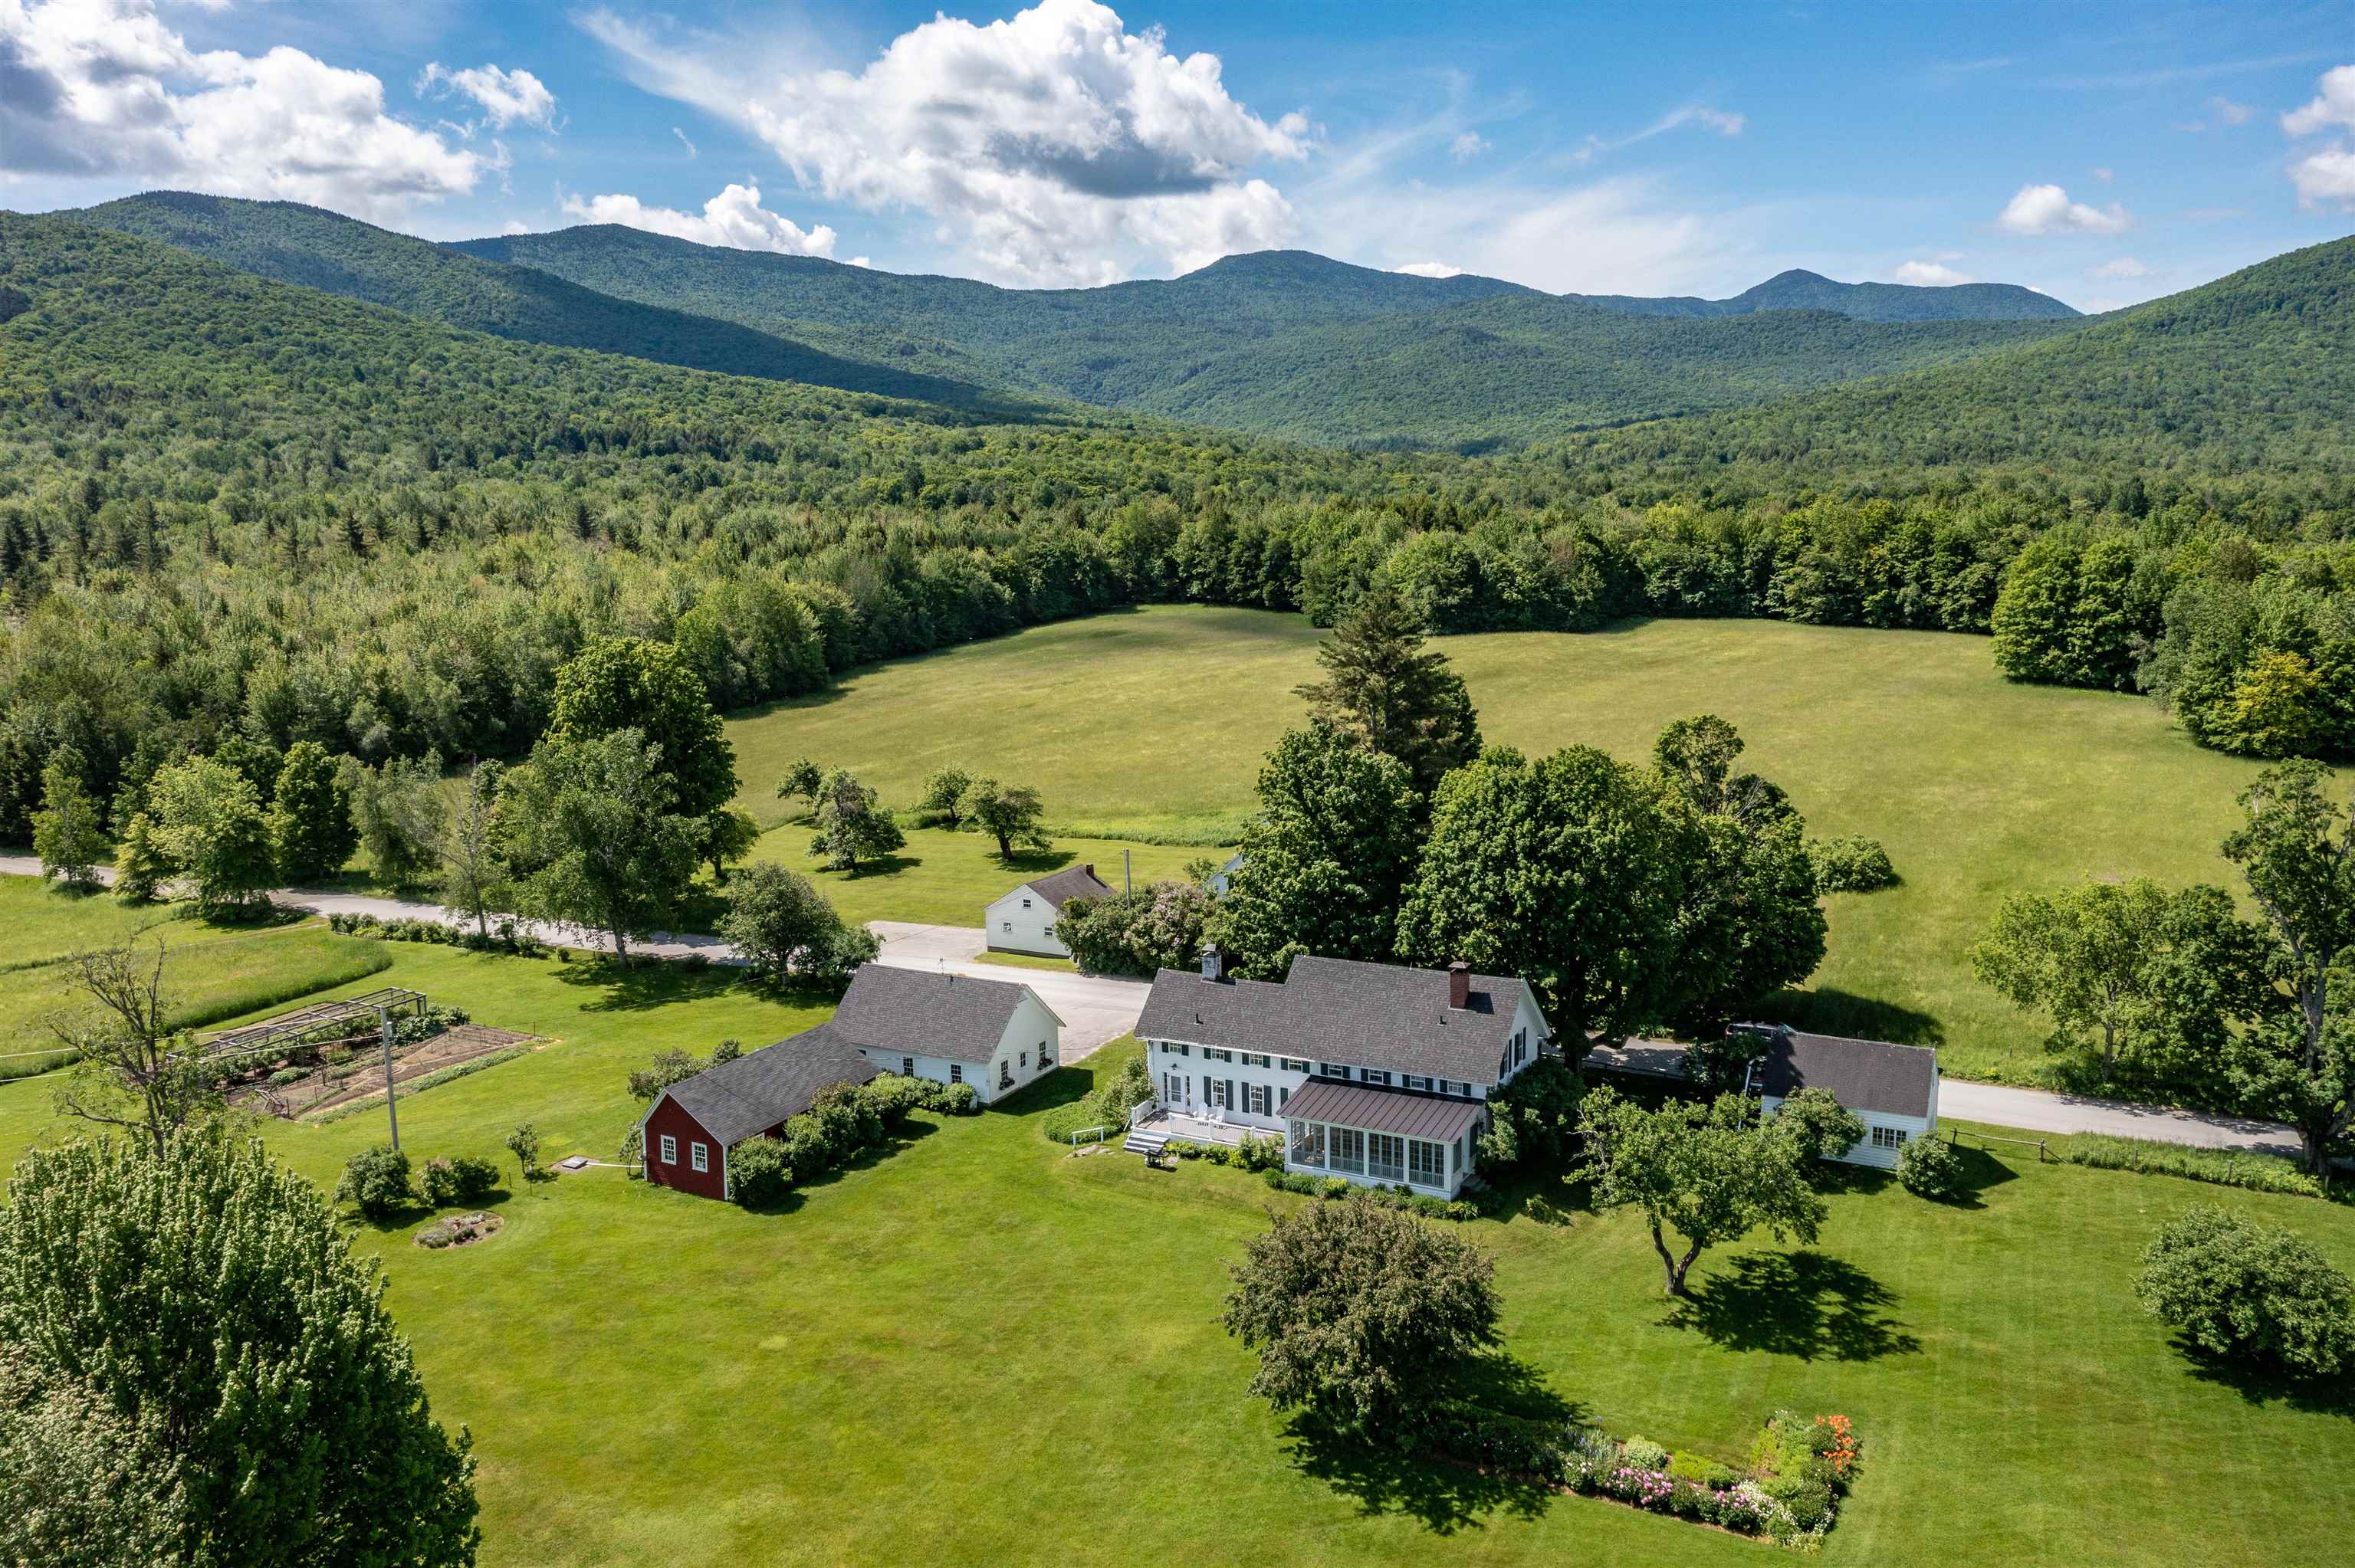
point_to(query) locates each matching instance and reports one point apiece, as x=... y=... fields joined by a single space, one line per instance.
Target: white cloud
x=684 y=141
x=2105 y=176
x=1724 y=123
x=513 y=225
x=104 y=88
x=2230 y=112
x=2326 y=176
x=1055 y=146
x=505 y=97
x=1467 y=145
x=1430 y=270
x=2124 y=266
x=734 y=218
x=2046 y=209
x=1932 y=275
x=2334 y=105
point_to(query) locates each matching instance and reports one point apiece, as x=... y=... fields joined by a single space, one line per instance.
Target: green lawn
x=1153 y=724
x=979 y=1350
x=942 y=878
x=219 y=970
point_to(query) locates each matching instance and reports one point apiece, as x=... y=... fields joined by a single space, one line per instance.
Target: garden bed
x=460 y=1230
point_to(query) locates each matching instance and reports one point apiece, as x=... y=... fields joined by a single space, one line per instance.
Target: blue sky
x=2103 y=154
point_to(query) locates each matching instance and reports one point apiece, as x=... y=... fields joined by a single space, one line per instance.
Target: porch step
x=1144 y=1142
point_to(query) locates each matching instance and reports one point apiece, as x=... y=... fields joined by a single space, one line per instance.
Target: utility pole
x=1124 y=888
x=384 y=1018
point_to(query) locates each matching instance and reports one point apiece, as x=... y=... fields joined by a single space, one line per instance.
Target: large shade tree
x=1708 y=1174
x=596 y=822
x=1567 y=870
x=1327 y=860
x=1361 y=1313
x=206 y=1294
x=634 y=684
x=208 y=823
x=1383 y=687
x=2297 y=848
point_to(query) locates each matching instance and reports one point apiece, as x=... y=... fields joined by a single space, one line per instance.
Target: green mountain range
x=1277 y=342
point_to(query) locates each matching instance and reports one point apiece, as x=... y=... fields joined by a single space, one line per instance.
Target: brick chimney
x=1090 y=867
x=1459 y=985
x=1214 y=962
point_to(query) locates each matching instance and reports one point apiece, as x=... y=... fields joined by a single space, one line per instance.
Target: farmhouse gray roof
x=917 y=1012
x=1381 y=1016
x=1863 y=1074
x=1072 y=881
x=755 y=1092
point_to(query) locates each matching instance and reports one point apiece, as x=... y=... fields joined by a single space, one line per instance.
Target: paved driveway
x=1093 y=1008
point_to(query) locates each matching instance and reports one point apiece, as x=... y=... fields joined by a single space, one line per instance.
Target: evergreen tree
x=1381 y=687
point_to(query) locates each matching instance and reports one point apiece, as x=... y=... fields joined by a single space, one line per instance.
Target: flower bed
x=1799 y=1469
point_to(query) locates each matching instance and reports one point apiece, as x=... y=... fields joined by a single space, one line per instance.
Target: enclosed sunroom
x=1381 y=1138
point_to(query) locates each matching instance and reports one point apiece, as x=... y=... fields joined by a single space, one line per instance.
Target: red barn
x=693 y=1124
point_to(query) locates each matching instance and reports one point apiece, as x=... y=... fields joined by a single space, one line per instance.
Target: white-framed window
x=1372 y=1077
x=1048 y=927
x=1348 y=1150
x=669 y=1150
x=1255 y=1098
x=699 y=1156
x=908 y=1065
x=1253 y=1059
x=1889 y=1137
x=1026 y=1061
x=1385 y=1157
x=1045 y=1061
x=1308 y=1144
x=956 y=1072
x=1026 y=904
x=1295 y=1065
x=1332 y=1070
x=1426 y=1163
x=1212 y=1054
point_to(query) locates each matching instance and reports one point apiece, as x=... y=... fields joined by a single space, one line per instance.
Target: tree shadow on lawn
x=1827 y=1010
x=659 y=982
x=1445 y=1496
x=2262 y=1385
x=1804 y=1304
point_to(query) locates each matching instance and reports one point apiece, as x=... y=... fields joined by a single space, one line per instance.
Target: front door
x=1173 y=1090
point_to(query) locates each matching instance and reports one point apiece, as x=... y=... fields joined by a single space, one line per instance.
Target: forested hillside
x=1802 y=290
x=297 y=244
x=2247 y=379
x=231 y=506
x=1289 y=344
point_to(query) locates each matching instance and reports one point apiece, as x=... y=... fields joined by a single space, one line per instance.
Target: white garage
x=1892 y=1089
x=1023 y=921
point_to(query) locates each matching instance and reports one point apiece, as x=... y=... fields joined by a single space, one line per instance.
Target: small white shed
x=1892 y=1089
x=1023 y=921
x=997 y=1035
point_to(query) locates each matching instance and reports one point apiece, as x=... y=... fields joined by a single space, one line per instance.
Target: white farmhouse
x=1023 y=921
x=949 y=1028
x=1892 y=1089
x=1372 y=1072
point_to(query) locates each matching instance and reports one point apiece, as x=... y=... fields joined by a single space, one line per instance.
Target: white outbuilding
x=1892 y=1089
x=1023 y=921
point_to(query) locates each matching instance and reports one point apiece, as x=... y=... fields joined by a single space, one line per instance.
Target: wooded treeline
x=234 y=506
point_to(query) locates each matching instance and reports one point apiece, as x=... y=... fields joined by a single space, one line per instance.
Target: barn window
x=1009 y=925
x=1888 y=1138
x=956 y=1072
x=1026 y=904
x=669 y=1150
x=908 y=1065
x=699 y=1155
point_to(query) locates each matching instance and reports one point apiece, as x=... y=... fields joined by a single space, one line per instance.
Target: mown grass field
x=219 y=970
x=978 y=1350
x=945 y=878
x=1153 y=724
